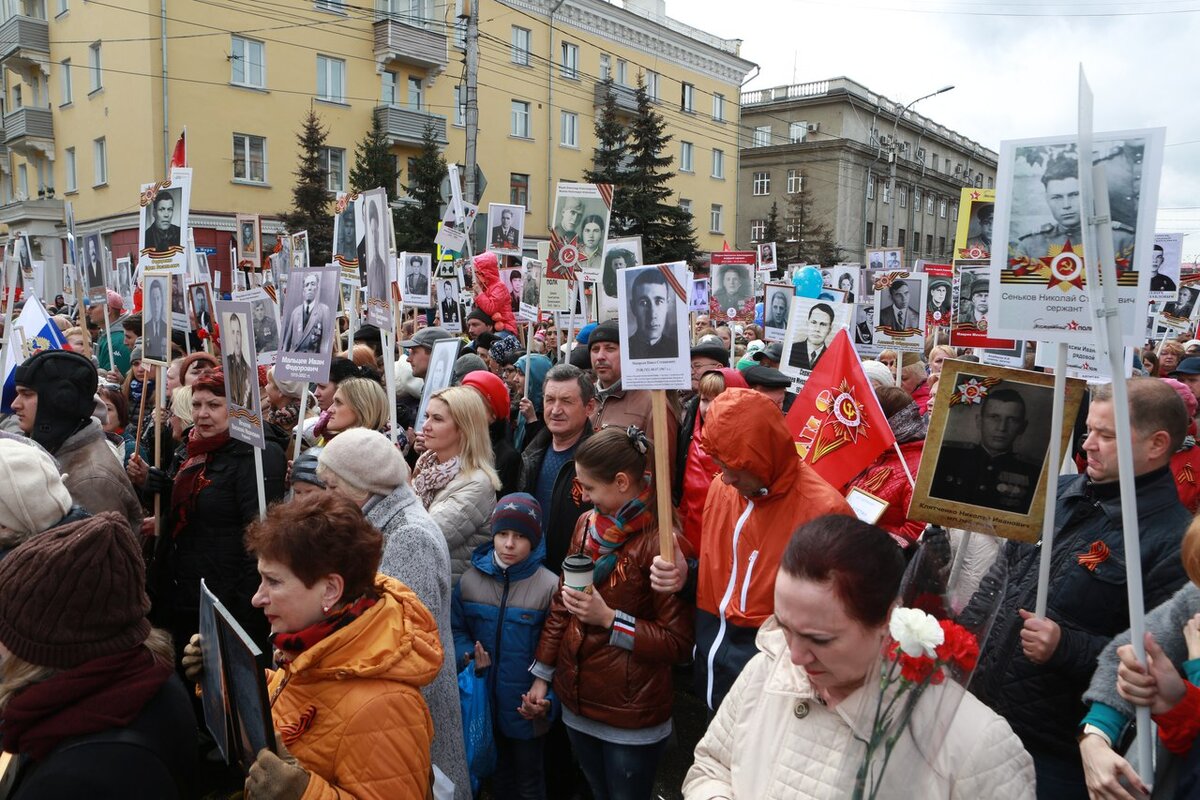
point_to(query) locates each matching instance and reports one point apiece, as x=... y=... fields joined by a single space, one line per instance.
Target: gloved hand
x=158 y=482
x=276 y=777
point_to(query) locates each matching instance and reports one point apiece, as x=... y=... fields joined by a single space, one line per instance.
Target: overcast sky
x=1014 y=66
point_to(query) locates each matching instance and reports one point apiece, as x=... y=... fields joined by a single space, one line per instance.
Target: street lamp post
x=891 y=237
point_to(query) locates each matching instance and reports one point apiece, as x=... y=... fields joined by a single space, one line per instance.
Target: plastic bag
x=477 y=725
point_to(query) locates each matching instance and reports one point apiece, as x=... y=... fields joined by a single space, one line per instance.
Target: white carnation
x=917 y=633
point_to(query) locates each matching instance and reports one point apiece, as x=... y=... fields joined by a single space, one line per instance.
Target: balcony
x=407 y=127
x=28 y=214
x=25 y=39
x=396 y=40
x=625 y=96
x=29 y=130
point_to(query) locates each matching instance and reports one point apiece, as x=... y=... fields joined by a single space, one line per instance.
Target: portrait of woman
x=733 y=286
x=592 y=237
x=617 y=258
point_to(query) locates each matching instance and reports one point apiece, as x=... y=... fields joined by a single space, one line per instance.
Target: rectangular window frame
x=569 y=61
x=687 y=97
x=653 y=82
x=568 y=122
x=518 y=189
x=520 y=126
x=522 y=45
x=248 y=144
x=335 y=173
x=415 y=94
x=758 y=229
x=761 y=183
x=718 y=164
x=687 y=157
x=761 y=136
x=243 y=51
x=795 y=181
x=798 y=132
x=331 y=72
x=716 y=218
x=718 y=105
x=70 y=167
x=100 y=161
x=66 y=86
x=95 y=67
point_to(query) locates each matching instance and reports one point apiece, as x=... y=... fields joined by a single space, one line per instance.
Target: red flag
x=725 y=245
x=837 y=421
x=179 y=156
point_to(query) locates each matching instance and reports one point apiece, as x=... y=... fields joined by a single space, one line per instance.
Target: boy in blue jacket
x=497 y=613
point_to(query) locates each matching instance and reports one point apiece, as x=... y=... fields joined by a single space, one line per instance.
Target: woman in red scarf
x=209 y=495
x=608 y=651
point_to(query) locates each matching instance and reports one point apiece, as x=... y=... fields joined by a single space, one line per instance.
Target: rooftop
x=655 y=11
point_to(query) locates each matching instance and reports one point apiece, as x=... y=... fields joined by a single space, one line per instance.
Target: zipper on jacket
x=746 y=580
x=492 y=670
x=725 y=599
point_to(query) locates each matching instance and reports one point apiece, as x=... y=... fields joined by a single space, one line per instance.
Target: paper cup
x=577 y=572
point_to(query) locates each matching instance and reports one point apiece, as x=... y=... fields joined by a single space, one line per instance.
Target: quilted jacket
x=886 y=480
x=350 y=708
x=493 y=297
x=462 y=509
x=772 y=739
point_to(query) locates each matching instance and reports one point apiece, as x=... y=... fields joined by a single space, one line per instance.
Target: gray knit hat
x=33 y=498
x=365 y=459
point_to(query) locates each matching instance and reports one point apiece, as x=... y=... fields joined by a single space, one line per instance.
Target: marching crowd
x=391 y=561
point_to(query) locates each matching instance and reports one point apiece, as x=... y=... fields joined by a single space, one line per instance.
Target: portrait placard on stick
x=439 y=374
x=449 y=305
x=777 y=305
x=345 y=230
x=653 y=327
x=731 y=294
x=249 y=242
x=201 y=299
x=374 y=257
x=92 y=268
x=506 y=229
x=900 y=311
x=766 y=257
x=698 y=300
x=618 y=254
x=156 y=328
x=577 y=237
x=1039 y=281
x=1166 y=263
x=812 y=324
x=985 y=466
x=264 y=318
x=164 y=216
x=973 y=237
x=414 y=279
x=306 y=346
x=241 y=373
x=971 y=306
x=889 y=259
x=531 y=291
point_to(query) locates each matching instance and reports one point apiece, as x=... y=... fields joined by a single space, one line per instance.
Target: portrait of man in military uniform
x=979 y=463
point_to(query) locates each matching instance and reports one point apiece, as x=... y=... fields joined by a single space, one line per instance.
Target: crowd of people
x=514 y=538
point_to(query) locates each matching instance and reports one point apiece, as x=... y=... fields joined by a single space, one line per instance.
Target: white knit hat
x=879 y=373
x=32 y=496
x=365 y=459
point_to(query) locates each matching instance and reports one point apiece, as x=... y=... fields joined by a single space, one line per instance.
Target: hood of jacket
x=407 y=383
x=481 y=559
x=396 y=639
x=539 y=365
x=745 y=431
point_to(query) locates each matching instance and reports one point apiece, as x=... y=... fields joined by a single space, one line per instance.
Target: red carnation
x=916 y=670
x=960 y=648
x=201 y=334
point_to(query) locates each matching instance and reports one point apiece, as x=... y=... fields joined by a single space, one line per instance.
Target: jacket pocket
x=1093 y=595
x=746 y=581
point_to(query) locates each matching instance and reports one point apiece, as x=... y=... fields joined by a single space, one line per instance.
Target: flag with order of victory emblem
x=837 y=422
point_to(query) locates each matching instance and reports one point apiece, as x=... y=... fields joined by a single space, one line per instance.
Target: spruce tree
x=666 y=230
x=311 y=210
x=608 y=160
x=815 y=242
x=417 y=220
x=374 y=164
x=771 y=233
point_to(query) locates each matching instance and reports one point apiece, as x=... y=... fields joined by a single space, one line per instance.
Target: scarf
x=289 y=645
x=136 y=388
x=607 y=534
x=103 y=694
x=190 y=479
x=432 y=476
x=908 y=425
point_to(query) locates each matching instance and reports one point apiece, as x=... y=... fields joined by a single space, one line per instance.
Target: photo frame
x=414 y=273
x=698 y=298
x=91 y=268
x=264 y=319
x=766 y=257
x=731 y=295
x=214 y=693
x=976 y=213
x=246 y=687
x=308 y=328
x=249 y=242
x=812 y=324
x=439 y=374
x=580 y=227
x=202 y=306
x=866 y=506
x=240 y=363
x=506 y=229
x=900 y=299
x=1166 y=263
x=985 y=464
x=777 y=306
x=164 y=210
x=618 y=254
x=889 y=259
x=653 y=327
x=449 y=304
x=156 y=321
x=345 y=230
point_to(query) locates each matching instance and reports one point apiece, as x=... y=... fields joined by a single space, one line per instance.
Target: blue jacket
x=504 y=610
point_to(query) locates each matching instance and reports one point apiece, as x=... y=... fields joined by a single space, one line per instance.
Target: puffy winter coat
x=742 y=540
x=1185 y=467
x=493 y=298
x=97 y=483
x=599 y=678
x=887 y=480
x=772 y=739
x=350 y=707
x=1086 y=598
x=504 y=610
x=462 y=510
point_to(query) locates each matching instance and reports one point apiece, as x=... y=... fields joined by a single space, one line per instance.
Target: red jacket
x=698 y=468
x=886 y=480
x=493 y=297
x=1185 y=467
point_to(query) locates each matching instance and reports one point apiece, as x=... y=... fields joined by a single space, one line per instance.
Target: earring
x=325 y=609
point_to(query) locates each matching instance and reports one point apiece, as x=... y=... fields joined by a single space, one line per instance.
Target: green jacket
x=119 y=350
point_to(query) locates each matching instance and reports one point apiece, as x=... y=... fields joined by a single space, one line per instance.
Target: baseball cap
x=772 y=352
x=769 y=377
x=426 y=337
x=1189 y=366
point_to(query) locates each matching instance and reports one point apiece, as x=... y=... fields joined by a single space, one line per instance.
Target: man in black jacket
x=548 y=462
x=1033 y=671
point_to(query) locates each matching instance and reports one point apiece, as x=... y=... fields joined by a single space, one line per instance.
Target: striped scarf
x=607 y=534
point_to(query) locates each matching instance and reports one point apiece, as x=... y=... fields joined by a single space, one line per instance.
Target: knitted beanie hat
x=520 y=513
x=482 y=316
x=366 y=460
x=74 y=593
x=606 y=331
x=493 y=389
x=34 y=498
x=304 y=468
x=506 y=350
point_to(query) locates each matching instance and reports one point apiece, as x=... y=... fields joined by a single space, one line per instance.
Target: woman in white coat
x=795 y=722
x=454 y=477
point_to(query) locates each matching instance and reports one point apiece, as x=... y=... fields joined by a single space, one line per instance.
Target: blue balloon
x=758 y=313
x=807 y=282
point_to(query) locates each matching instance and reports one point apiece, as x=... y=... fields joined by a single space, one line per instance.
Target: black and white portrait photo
x=513 y=278
x=449 y=305
x=414 y=279
x=506 y=225
x=900 y=301
x=580 y=227
x=1165 y=263
x=439 y=374
x=618 y=254
x=732 y=287
x=698 y=300
x=974 y=294
x=202 y=308
x=653 y=327
x=812 y=323
x=864 y=323
x=1186 y=306
x=300 y=250
x=306 y=342
x=847 y=278
x=345 y=232
x=249 y=242
x=156 y=327
x=264 y=319
x=374 y=257
x=124 y=275
x=161 y=221
x=92 y=266
x=777 y=303
x=238 y=359
x=766 y=256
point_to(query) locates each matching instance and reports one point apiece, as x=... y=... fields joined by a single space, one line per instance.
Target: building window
x=687 y=154
x=622 y=72
x=570 y=129
x=687 y=97
x=68 y=91
x=605 y=66
x=389 y=95
x=718 y=165
x=520 y=46
x=916 y=240
x=63 y=7
x=333 y=159
x=929 y=244
x=798 y=132
x=991 y=183
x=870 y=186
x=249 y=158
x=933 y=161
x=758 y=229
x=718 y=108
x=954 y=212
x=331 y=79
x=336 y=6
x=247 y=58
x=928 y=204
x=883 y=238
x=916 y=199
x=416 y=94
x=941 y=245
x=942 y=207
x=652 y=85
x=900 y=238
x=685 y=206
x=23 y=181
x=95 y=68
x=792 y=229
x=460 y=105
x=570 y=61
x=715 y=218
x=795 y=182
x=519 y=119
x=69 y=168
x=762 y=184
x=902 y=192
x=99 y=162
x=762 y=136
x=887 y=191
x=460 y=33
x=518 y=189
x=870 y=234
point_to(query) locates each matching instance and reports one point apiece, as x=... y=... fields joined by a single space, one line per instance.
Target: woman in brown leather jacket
x=608 y=651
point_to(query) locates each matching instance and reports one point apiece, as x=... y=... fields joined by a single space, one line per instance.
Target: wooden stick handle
x=662 y=473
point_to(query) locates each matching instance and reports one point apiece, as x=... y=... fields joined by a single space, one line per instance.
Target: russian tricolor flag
x=32 y=332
